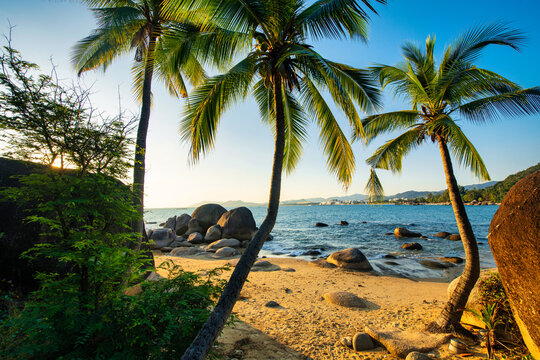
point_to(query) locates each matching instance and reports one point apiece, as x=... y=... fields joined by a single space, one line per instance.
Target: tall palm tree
x=161 y=46
x=287 y=77
x=457 y=89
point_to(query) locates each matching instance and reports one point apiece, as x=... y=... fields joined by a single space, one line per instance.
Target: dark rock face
x=515 y=243
x=170 y=223
x=193 y=227
x=238 y=223
x=181 y=225
x=411 y=246
x=320 y=224
x=430 y=264
x=350 y=258
x=402 y=232
x=311 y=253
x=208 y=215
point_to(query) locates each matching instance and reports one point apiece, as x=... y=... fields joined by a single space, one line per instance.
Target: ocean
x=295 y=233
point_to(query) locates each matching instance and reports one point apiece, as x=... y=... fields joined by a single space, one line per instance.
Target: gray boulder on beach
x=345 y=299
x=180 y=251
x=196 y=238
x=226 y=252
x=170 y=223
x=181 y=225
x=238 y=223
x=213 y=233
x=161 y=238
x=208 y=215
x=362 y=341
x=350 y=258
x=193 y=227
x=403 y=232
x=224 y=243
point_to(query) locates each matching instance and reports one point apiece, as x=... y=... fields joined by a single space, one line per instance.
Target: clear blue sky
x=239 y=167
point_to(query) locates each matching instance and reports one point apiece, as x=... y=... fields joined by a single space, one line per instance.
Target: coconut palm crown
x=289 y=80
x=440 y=96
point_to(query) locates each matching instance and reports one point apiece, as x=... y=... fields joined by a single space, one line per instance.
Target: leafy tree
x=287 y=77
x=139 y=25
x=439 y=95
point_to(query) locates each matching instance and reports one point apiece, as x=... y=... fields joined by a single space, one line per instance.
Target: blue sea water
x=295 y=233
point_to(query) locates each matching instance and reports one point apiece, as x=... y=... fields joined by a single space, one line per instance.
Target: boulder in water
x=402 y=232
x=441 y=234
x=411 y=246
x=350 y=258
x=320 y=224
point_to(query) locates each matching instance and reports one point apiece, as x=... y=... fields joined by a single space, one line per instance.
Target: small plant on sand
x=489 y=318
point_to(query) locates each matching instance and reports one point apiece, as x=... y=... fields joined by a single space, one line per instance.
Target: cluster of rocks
x=210 y=228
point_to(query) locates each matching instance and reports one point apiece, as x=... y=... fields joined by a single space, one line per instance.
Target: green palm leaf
x=374 y=188
x=390 y=155
x=375 y=125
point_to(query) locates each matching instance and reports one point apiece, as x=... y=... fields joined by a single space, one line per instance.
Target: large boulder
x=208 y=215
x=411 y=246
x=350 y=258
x=234 y=243
x=214 y=233
x=161 y=238
x=181 y=225
x=193 y=227
x=441 y=234
x=515 y=243
x=226 y=252
x=195 y=238
x=170 y=223
x=238 y=223
x=402 y=232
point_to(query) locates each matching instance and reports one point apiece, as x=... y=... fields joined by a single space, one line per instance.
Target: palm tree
x=287 y=77
x=161 y=46
x=457 y=89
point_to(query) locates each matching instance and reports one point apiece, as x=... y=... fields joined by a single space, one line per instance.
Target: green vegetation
x=439 y=95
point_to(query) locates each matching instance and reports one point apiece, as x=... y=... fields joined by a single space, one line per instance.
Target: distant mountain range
x=408 y=195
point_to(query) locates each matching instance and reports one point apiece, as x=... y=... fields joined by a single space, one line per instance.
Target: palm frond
x=295 y=131
x=338 y=151
x=390 y=155
x=375 y=125
x=374 y=188
x=209 y=101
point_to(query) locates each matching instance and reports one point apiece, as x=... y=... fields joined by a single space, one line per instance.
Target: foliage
x=488 y=316
x=43 y=120
x=80 y=311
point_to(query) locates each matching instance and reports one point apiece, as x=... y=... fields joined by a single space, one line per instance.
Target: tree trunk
x=140 y=143
x=201 y=345
x=448 y=320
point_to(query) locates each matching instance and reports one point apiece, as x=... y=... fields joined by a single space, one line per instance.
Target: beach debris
x=351 y=258
x=346 y=341
x=195 y=238
x=208 y=215
x=234 y=243
x=323 y=263
x=161 y=238
x=345 y=299
x=213 y=233
x=226 y=252
x=181 y=224
x=454 y=237
x=442 y=234
x=238 y=223
x=415 y=355
x=181 y=251
x=451 y=259
x=311 y=253
x=362 y=341
x=401 y=343
x=193 y=227
x=403 y=232
x=431 y=264
x=320 y=224
x=343 y=222
x=457 y=346
x=272 y=304
x=411 y=246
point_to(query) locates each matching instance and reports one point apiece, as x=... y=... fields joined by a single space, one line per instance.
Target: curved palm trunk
x=448 y=320
x=208 y=334
x=140 y=143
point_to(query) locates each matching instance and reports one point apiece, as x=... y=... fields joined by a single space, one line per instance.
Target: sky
x=239 y=167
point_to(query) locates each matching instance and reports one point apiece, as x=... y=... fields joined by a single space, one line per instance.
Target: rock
x=161 y=238
x=451 y=259
x=154 y=276
x=288 y=269
x=224 y=243
x=401 y=343
x=424 y=237
x=208 y=215
x=133 y=290
x=262 y=263
x=442 y=234
x=434 y=264
x=343 y=222
x=454 y=237
x=272 y=304
x=402 y=232
x=170 y=223
x=149 y=233
x=323 y=263
x=270 y=237
x=346 y=341
x=362 y=341
x=345 y=299
x=350 y=258
x=389 y=256
x=193 y=227
x=166 y=249
x=320 y=224
x=180 y=251
x=311 y=253
x=245 y=243
x=181 y=226
x=393 y=263
x=238 y=223
x=184 y=243
x=389 y=233
x=195 y=238
x=213 y=233
x=226 y=252
x=515 y=243
x=415 y=355
x=411 y=246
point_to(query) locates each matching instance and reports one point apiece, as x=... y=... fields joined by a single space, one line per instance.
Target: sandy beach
x=305 y=326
